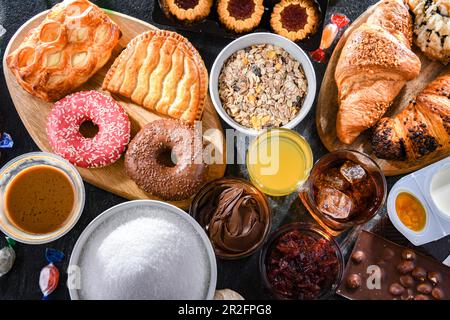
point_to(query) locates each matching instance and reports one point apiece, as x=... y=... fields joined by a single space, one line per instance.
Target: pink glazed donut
x=63 y=129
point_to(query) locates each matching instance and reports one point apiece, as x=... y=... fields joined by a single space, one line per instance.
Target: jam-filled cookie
x=188 y=10
x=240 y=15
x=295 y=19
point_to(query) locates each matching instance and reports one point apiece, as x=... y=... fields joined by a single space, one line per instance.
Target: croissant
x=374 y=65
x=422 y=128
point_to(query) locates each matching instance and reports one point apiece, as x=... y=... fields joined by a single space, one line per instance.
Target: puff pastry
x=163 y=72
x=73 y=42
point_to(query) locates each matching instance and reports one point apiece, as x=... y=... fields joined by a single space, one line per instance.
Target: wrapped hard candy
x=330 y=33
x=7 y=257
x=340 y=20
x=49 y=277
x=6 y=141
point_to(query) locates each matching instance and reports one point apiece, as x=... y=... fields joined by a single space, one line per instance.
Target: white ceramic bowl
x=262 y=38
x=75 y=269
x=17 y=165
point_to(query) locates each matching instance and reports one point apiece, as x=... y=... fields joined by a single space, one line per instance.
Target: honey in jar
x=410 y=211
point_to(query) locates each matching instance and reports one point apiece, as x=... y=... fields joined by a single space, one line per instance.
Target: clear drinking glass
x=17 y=165
x=366 y=211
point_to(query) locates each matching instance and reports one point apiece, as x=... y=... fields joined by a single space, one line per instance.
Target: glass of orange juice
x=279 y=161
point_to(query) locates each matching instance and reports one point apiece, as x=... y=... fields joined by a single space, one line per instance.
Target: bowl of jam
x=345 y=188
x=301 y=261
x=42 y=197
x=234 y=214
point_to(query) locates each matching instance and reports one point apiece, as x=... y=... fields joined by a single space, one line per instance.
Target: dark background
x=243 y=275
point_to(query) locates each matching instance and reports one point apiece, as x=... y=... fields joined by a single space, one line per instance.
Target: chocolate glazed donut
x=164 y=160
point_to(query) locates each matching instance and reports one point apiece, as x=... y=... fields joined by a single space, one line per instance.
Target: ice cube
x=353 y=172
x=332 y=178
x=334 y=203
x=362 y=193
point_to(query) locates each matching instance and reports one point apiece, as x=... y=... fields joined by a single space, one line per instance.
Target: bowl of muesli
x=261 y=81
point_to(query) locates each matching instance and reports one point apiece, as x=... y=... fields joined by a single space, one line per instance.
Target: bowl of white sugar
x=142 y=250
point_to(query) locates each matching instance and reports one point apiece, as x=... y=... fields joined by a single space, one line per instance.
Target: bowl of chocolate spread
x=235 y=215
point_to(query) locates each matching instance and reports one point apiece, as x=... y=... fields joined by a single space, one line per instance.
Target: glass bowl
x=275 y=181
x=310 y=230
x=10 y=170
x=207 y=190
x=330 y=160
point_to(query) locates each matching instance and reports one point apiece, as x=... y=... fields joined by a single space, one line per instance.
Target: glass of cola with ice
x=345 y=188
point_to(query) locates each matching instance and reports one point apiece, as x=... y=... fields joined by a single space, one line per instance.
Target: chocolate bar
x=382 y=270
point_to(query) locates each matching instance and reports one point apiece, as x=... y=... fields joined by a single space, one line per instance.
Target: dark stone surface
x=243 y=275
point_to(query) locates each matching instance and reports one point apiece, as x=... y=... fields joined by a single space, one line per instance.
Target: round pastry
x=240 y=15
x=163 y=160
x=295 y=19
x=188 y=10
x=432 y=28
x=68 y=114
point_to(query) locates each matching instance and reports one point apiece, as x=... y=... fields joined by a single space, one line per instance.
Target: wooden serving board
x=327 y=107
x=34 y=112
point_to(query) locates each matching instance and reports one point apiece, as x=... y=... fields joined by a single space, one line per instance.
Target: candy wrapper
x=7 y=257
x=330 y=34
x=6 y=142
x=2 y=33
x=49 y=278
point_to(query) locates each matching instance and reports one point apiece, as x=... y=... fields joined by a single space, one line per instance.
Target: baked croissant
x=374 y=65
x=420 y=129
x=73 y=42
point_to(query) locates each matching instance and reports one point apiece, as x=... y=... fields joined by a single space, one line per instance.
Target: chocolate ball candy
x=381 y=263
x=434 y=277
x=407 y=281
x=396 y=289
x=353 y=281
x=358 y=257
x=421 y=297
x=437 y=294
x=388 y=254
x=408 y=295
x=409 y=255
x=419 y=273
x=424 y=288
x=406 y=266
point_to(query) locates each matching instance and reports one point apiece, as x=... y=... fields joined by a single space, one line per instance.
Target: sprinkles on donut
x=106 y=147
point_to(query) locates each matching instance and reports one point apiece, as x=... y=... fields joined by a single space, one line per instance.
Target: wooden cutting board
x=34 y=112
x=327 y=107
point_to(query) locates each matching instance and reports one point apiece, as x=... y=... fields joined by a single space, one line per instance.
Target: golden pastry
x=240 y=15
x=188 y=10
x=295 y=19
x=73 y=42
x=432 y=28
x=374 y=66
x=422 y=128
x=163 y=72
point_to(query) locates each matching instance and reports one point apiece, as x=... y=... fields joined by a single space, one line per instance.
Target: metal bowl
x=74 y=271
